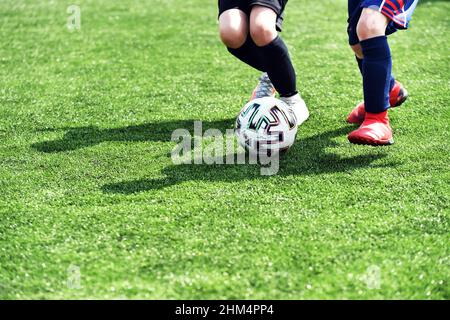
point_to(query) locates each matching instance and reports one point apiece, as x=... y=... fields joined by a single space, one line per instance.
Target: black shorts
x=246 y=6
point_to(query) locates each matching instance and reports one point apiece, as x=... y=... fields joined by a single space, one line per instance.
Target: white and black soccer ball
x=266 y=125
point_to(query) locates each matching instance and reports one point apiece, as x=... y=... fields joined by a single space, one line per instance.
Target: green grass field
x=86 y=178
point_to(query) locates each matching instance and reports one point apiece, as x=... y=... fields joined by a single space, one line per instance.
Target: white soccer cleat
x=264 y=88
x=298 y=107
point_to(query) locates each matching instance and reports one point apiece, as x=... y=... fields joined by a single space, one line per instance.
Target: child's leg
x=233 y=29
x=397 y=93
x=376 y=71
x=273 y=51
x=357 y=49
x=369 y=27
x=377 y=62
x=354 y=14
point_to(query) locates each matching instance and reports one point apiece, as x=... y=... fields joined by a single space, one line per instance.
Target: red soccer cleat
x=397 y=96
x=358 y=114
x=374 y=131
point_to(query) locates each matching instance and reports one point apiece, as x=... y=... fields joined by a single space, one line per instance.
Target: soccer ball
x=266 y=126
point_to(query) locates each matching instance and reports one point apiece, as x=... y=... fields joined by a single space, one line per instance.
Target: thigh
x=234 y=19
x=354 y=13
x=353 y=5
x=261 y=15
x=277 y=6
x=372 y=23
x=225 y=5
x=399 y=12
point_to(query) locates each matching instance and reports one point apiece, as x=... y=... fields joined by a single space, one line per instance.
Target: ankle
x=378 y=117
x=291 y=99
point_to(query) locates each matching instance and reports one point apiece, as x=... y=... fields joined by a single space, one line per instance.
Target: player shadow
x=309 y=156
x=81 y=137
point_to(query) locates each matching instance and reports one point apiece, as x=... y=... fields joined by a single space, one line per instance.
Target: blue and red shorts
x=398 y=11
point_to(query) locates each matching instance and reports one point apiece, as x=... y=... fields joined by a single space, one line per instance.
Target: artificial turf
x=87 y=181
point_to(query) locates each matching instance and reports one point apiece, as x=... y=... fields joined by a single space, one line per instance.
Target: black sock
x=279 y=67
x=250 y=54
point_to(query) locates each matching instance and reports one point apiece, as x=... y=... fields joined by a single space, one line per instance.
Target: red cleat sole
x=369 y=142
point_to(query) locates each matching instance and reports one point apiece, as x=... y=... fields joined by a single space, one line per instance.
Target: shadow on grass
x=81 y=137
x=308 y=157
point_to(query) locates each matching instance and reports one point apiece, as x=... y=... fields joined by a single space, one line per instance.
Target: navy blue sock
x=250 y=54
x=376 y=67
x=279 y=67
x=392 y=81
x=360 y=61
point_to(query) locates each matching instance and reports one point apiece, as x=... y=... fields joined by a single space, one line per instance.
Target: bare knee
x=233 y=28
x=262 y=34
x=232 y=38
x=371 y=24
x=357 y=50
x=263 y=25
